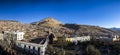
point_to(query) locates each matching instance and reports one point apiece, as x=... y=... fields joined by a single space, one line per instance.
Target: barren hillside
x=38 y=29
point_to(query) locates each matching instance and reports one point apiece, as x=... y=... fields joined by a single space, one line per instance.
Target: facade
x=32 y=48
x=19 y=35
x=75 y=39
x=1 y=36
x=12 y=35
x=81 y=39
x=116 y=38
x=68 y=39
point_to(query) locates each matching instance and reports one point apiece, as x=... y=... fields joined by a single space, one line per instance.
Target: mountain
x=39 y=28
x=49 y=22
x=115 y=29
x=73 y=29
x=91 y=30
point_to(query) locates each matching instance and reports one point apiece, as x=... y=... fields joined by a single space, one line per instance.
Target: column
x=22 y=46
x=31 y=49
x=42 y=52
x=34 y=50
x=38 y=51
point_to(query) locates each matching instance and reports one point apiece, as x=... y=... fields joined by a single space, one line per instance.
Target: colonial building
x=80 y=39
x=12 y=35
x=19 y=35
x=13 y=39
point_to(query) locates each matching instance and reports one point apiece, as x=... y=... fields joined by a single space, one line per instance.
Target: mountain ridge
x=115 y=29
x=38 y=29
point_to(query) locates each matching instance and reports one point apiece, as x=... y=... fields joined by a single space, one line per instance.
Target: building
x=12 y=39
x=116 y=38
x=12 y=35
x=81 y=39
x=68 y=39
x=19 y=35
x=75 y=39
x=1 y=36
x=32 y=48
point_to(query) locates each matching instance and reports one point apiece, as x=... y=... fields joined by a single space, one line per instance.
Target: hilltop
x=49 y=22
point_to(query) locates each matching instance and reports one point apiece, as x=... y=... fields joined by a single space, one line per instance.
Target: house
x=81 y=39
x=1 y=36
x=19 y=35
x=75 y=39
x=116 y=38
x=68 y=39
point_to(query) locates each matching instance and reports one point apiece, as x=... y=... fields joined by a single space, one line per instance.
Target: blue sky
x=104 y=13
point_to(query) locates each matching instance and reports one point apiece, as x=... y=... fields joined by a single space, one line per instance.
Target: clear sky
x=104 y=13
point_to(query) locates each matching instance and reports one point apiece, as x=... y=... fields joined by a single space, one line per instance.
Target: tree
x=62 y=42
x=50 y=50
x=91 y=50
x=60 y=52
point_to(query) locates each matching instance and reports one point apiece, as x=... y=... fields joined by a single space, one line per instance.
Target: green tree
x=91 y=50
x=60 y=52
x=50 y=50
x=62 y=42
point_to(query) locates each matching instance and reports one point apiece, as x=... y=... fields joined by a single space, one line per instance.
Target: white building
x=19 y=35
x=12 y=35
x=81 y=39
x=1 y=36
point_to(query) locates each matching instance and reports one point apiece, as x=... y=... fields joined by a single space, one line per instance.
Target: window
x=21 y=35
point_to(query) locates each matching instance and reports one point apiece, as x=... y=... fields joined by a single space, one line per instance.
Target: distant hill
x=115 y=29
x=90 y=30
x=48 y=22
x=8 y=21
